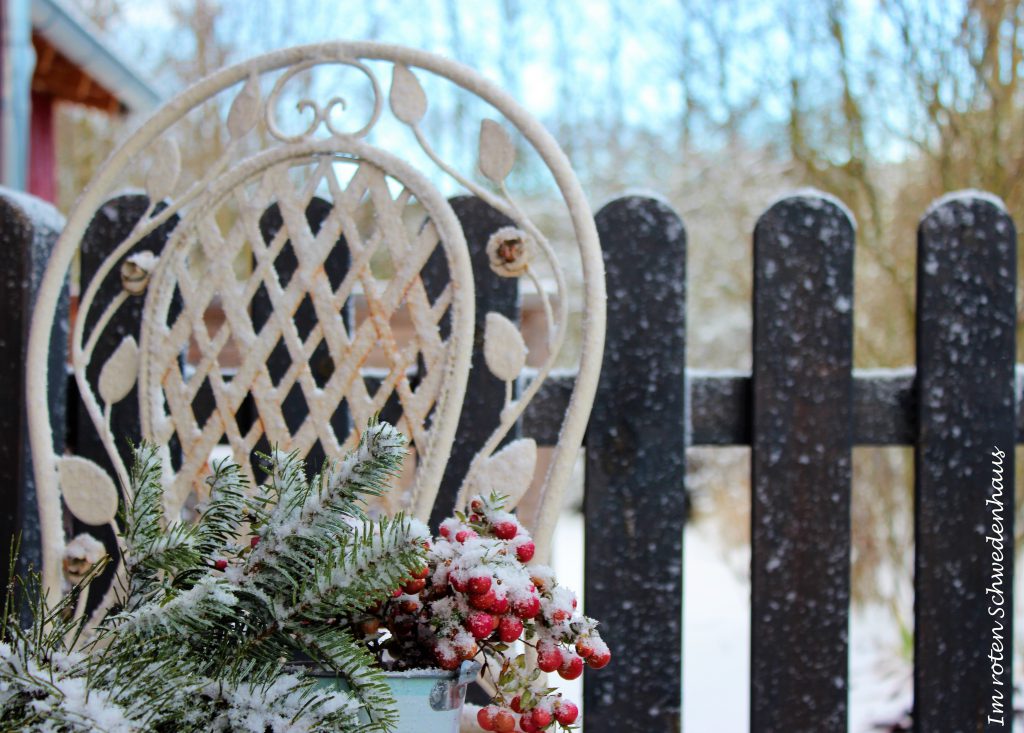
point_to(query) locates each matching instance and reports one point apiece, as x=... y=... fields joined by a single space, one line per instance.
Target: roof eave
x=78 y=40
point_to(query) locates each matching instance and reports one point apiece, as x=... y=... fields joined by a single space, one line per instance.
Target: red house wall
x=42 y=165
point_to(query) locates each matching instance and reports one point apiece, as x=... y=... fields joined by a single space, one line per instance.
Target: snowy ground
x=716 y=634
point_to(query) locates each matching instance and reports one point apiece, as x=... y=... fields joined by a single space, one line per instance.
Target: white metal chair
x=381 y=207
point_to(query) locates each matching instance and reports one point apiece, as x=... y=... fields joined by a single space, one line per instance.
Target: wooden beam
x=58 y=77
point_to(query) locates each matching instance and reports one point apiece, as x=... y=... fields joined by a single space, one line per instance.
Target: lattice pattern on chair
x=202 y=268
x=284 y=205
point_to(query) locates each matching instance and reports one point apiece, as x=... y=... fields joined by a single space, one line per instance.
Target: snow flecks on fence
x=966 y=319
x=635 y=499
x=800 y=409
x=718 y=408
x=801 y=467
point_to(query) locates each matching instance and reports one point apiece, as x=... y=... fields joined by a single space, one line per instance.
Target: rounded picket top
x=811 y=207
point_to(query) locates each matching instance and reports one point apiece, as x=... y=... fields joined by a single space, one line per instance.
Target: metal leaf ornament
x=508 y=472
x=504 y=348
x=88 y=490
x=120 y=372
x=163 y=173
x=245 y=109
x=497 y=153
x=408 y=101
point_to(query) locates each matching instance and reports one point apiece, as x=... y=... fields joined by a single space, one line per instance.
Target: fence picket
x=801 y=465
x=966 y=318
x=28 y=231
x=636 y=465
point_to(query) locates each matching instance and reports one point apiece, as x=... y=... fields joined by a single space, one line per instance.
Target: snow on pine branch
x=244 y=707
x=214 y=610
x=204 y=606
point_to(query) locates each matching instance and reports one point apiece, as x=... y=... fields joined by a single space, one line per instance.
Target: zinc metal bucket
x=428 y=700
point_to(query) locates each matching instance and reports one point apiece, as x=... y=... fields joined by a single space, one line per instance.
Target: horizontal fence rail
x=884 y=407
x=801 y=409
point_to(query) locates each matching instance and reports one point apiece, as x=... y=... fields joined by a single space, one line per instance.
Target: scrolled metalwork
x=219 y=218
x=321 y=113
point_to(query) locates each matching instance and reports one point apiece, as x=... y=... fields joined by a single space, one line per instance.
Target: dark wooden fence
x=801 y=410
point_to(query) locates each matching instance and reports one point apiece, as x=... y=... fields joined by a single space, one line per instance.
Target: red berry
x=477 y=505
x=560 y=615
x=549 y=658
x=467 y=651
x=526 y=608
x=421 y=573
x=515 y=704
x=479 y=584
x=474 y=518
x=480 y=624
x=499 y=605
x=254 y=541
x=584 y=647
x=505 y=530
x=525 y=552
x=599 y=658
x=572 y=667
x=509 y=629
x=485 y=718
x=566 y=712
x=220 y=564
x=396 y=592
x=415 y=585
x=540 y=717
x=457 y=583
x=447 y=661
x=484 y=601
x=504 y=722
x=445 y=532
x=527 y=725
x=465 y=534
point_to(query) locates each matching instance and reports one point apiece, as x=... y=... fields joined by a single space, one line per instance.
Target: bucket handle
x=449 y=694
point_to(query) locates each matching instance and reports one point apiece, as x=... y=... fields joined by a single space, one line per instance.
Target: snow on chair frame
x=218 y=219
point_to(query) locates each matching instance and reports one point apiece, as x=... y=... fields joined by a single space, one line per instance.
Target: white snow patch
x=965 y=196
x=39 y=211
x=815 y=197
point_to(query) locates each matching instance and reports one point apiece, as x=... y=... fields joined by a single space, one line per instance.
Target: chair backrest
x=313 y=246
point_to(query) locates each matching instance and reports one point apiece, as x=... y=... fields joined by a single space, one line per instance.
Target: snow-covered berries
x=478 y=597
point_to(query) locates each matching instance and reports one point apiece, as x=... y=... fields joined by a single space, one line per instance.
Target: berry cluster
x=477 y=596
x=551 y=709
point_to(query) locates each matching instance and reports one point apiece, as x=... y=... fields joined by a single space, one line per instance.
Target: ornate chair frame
x=252 y=176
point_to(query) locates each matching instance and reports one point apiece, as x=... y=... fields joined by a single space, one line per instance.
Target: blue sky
x=568 y=67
